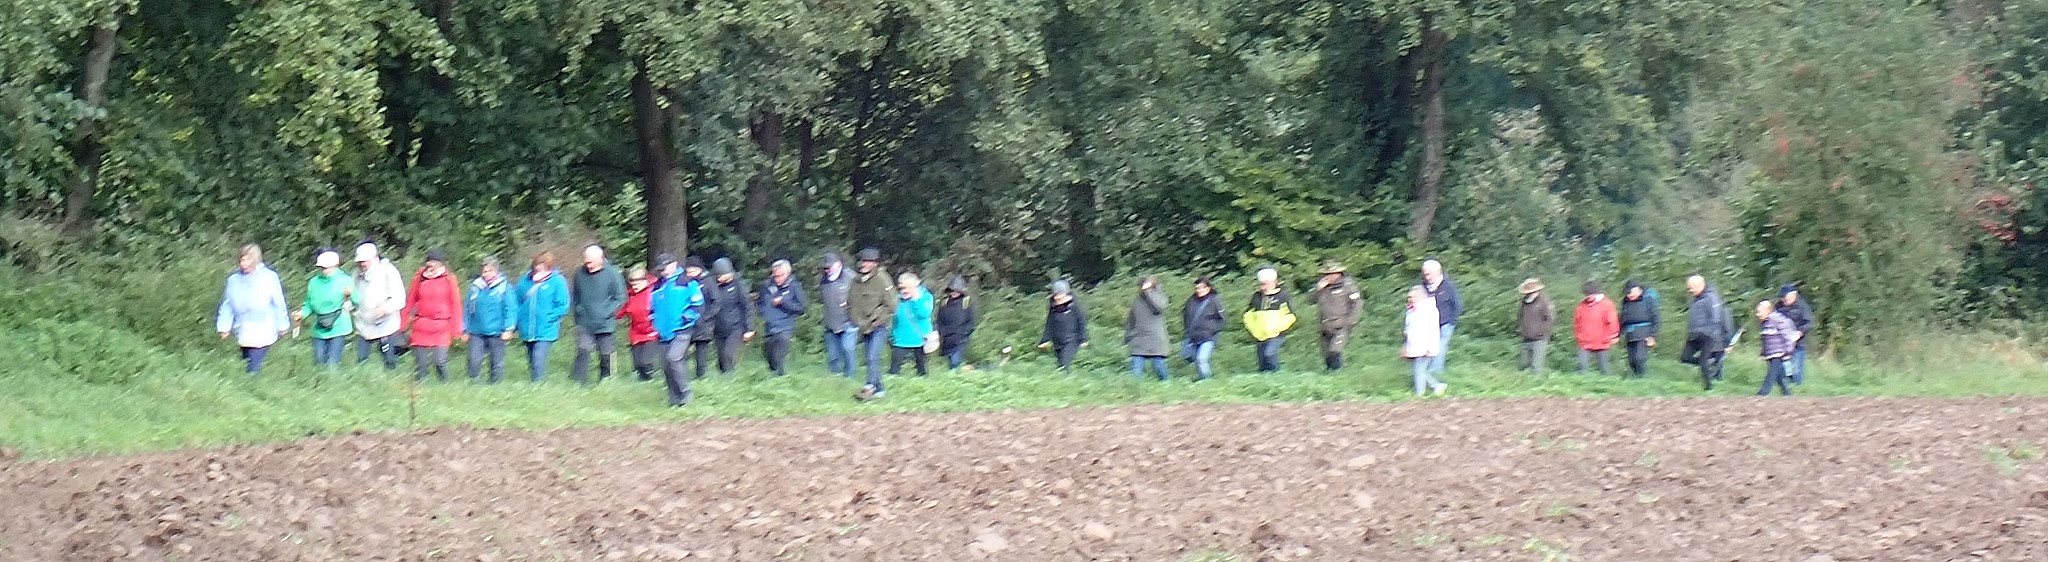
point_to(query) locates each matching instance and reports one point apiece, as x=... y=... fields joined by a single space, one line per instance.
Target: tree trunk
x=86 y=148
x=668 y=224
x=433 y=140
x=1429 y=181
x=806 y=161
x=766 y=130
x=867 y=100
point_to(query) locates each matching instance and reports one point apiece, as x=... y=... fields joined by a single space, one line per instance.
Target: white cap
x=327 y=259
x=366 y=252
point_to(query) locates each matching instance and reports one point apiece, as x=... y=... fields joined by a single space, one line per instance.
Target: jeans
x=1436 y=364
x=729 y=346
x=1531 y=358
x=1269 y=354
x=1774 y=374
x=1199 y=354
x=1140 y=364
x=1586 y=359
x=430 y=357
x=839 y=350
x=1419 y=370
x=537 y=358
x=915 y=354
x=1639 y=357
x=253 y=357
x=327 y=352
x=647 y=357
x=586 y=344
x=678 y=380
x=487 y=348
x=877 y=341
x=363 y=347
x=1797 y=368
x=1707 y=353
x=776 y=350
x=956 y=354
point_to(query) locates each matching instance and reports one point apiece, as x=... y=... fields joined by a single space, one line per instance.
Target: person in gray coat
x=1145 y=329
x=1710 y=331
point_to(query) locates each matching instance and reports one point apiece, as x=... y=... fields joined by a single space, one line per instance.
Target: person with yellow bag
x=1269 y=318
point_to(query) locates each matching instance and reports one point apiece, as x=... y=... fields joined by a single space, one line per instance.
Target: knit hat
x=721 y=266
x=1062 y=287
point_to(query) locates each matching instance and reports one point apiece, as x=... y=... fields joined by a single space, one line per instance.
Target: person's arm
x=511 y=308
x=973 y=318
x=615 y=290
x=1046 y=338
x=1357 y=300
x=224 y=319
x=412 y=305
x=558 y=300
x=280 y=306
x=1081 y=320
x=793 y=301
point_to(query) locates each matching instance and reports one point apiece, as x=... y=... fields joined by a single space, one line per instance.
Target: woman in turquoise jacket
x=913 y=324
x=543 y=301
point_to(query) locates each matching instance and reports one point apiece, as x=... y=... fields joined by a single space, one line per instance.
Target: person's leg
x=586 y=345
x=835 y=354
x=537 y=358
x=1771 y=369
x=877 y=342
x=390 y=354
x=1784 y=376
x=918 y=354
x=1326 y=344
x=729 y=349
x=319 y=352
x=700 y=352
x=1418 y=371
x=896 y=357
x=1692 y=352
x=677 y=380
x=1064 y=353
x=1137 y=366
x=606 y=345
x=362 y=350
x=1585 y=360
x=1797 y=368
x=420 y=357
x=1522 y=355
x=1538 y=356
x=1716 y=357
x=252 y=360
x=1159 y=364
x=1436 y=364
x=441 y=362
x=1272 y=352
x=494 y=351
x=478 y=347
x=1638 y=357
x=642 y=355
x=956 y=355
x=1603 y=361
x=1203 y=352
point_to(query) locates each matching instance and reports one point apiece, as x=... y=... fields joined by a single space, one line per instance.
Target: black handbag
x=327 y=320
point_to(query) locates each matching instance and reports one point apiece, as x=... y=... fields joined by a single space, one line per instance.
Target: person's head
x=779 y=271
x=870 y=259
x=665 y=265
x=593 y=258
x=489 y=270
x=1789 y=294
x=637 y=280
x=543 y=264
x=1332 y=272
x=250 y=257
x=693 y=267
x=1419 y=294
x=1148 y=282
x=1204 y=286
x=1432 y=271
x=1269 y=279
x=956 y=287
x=723 y=271
x=366 y=254
x=833 y=265
x=1696 y=284
x=1592 y=290
x=907 y=284
x=436 y=266
x=328 y=261
x=1062 y=292
x=1529 y=289
x=1635 y=291
x=1764 y=309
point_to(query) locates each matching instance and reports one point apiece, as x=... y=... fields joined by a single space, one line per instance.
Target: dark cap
x=437 y=255
x=832 y=259
x=664 y=260
x=694 y=261
x=1788 y=289
x=870 y=254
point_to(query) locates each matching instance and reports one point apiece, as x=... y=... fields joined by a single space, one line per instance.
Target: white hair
x=1418 y=291
x=907 y=280
x=1432 y=265
x=593 y=250
x=1269 y=274
x=779 y=265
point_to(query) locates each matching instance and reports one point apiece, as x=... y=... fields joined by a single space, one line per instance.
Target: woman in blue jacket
x=490 y=315
x=913 y=323
x=543 y=301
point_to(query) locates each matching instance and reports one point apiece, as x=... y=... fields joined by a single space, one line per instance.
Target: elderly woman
x=913 y=325
x=327 y=304
x=1424 y=339
x=252 y=308
x=1145 y=329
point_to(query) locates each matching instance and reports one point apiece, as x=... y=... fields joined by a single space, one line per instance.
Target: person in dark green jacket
x=595 y=296
x=490 y=315
x=872 y=306
x=326 y=303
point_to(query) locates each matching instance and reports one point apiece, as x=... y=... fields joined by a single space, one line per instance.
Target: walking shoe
x=867 y=393
x=1439 y=389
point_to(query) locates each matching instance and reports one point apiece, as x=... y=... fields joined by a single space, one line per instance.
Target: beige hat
x=327 y=259
x=1530 y=285
x=1330 y=267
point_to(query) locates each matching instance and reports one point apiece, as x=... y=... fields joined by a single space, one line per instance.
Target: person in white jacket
x=1424 y=339
x=379 y=298
x=252 y=308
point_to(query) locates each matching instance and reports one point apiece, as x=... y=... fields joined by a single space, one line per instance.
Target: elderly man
x=596 y=294
x=781 y=302
x=841 y=335
x=1800 y=312
x=1338 y=304
x=872 y=306
x=379 y=298
x=1448 y=306
x=253 y=309
x=1269 y=317
x=1535 y=322
x=1709 y=331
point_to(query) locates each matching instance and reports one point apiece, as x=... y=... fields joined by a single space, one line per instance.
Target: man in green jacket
x=873 y=306
x=595 y=297
x=326 y=303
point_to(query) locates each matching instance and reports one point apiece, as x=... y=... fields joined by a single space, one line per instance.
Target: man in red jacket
x=639 y=316
x=433 y=310
x=1596 y=327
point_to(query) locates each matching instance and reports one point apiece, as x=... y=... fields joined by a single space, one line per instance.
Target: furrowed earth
x=1624 y=480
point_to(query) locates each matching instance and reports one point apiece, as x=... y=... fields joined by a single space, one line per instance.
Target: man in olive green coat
x=872 y=305
x=1338 y=303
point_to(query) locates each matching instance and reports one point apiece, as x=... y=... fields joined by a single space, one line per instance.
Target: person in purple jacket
x=1779 y=337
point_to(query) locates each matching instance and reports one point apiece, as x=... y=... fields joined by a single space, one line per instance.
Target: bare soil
x=1585 y=480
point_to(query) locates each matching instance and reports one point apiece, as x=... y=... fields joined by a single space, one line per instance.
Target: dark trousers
x=675 y=351
x=1774 y=374
x=955 y=352
x=647 y=358
x=363 y=347
x=1269 y=354
x=486 y=348
x=1334 y=342
x=327 y=352
x=1639 y=357
x=434 y=358
x=587 y=344
x=775 y=349
x=1065 y=352
x=914 y=354
x=1707 y=353
x=253 y=359
x=700 y=355
x=729 y=346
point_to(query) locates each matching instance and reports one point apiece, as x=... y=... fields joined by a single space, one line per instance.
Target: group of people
x=674 y=311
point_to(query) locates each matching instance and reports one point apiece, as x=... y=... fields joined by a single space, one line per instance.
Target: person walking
x=1145 y=329
x=379 y=304
x=782 y=302
x=872 y=306
x=433 y=311
x=1201 y=319
x=955 y=322
x=1421 y=332
x=911 y=332
x=1596 y=326
x=841 y=335
x=732 y=324
x=1449 y=306
x=1338 y=306
x=1779 y=336
x=1270 y=316
x=1800 y=312
x=543 y=302
x=676 y=307
x=641 y=341
x=1066 y=326
x=1536 y=321
x=253 y=309
x=1639 y=323
x=703 y=334
x=595 y=295
x=491 y=315
x=327 y=295
x=1710 y=331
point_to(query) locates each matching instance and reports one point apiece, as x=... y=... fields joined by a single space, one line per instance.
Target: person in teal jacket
x=327 y=296
x=491 y=316
x=913 y=323
x=543 y=301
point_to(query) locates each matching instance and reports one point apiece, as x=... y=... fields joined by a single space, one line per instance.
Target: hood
x=722 y=266
x=957 y=283
x=1631 y=287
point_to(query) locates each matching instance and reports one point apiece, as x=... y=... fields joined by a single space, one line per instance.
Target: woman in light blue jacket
x=252 y=308
x=913 y=324
x=543 y=301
